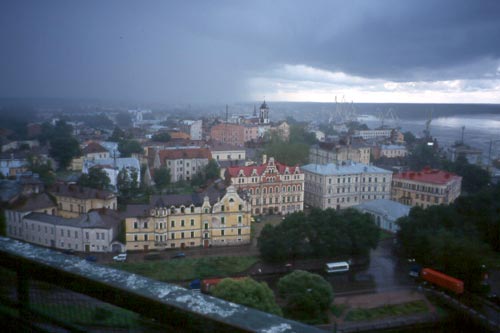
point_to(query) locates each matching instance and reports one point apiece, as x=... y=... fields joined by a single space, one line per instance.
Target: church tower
x=264 y=114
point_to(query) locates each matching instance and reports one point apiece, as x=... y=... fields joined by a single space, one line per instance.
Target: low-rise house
x=204 y=219
x=12 y=164
x=113 y=166
x=182 y=162
x=426 y=187
x=389 y=151
x=73 y=200
x=385 y=212
x=97 y=231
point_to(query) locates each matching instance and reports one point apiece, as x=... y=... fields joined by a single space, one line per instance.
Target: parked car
x=179 y=255
x=153 y=256
x=91 y=258
x=121 y=257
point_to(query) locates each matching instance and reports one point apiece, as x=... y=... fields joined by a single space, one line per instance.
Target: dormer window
x=172 y=210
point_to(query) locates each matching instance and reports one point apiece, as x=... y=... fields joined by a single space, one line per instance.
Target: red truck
x=442 y=280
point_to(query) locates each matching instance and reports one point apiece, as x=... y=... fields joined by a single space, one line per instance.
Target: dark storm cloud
x=207 y=50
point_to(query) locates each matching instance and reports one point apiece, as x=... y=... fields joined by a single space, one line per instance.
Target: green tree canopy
x=161 y=178
x=322 y=233
x=129 y=147
x=63 y=146
x=127 y=181
x=307 y=296
x=161 y=137
x=474 y=178
x=96 y=178
x=459 y=236
x=248 y=292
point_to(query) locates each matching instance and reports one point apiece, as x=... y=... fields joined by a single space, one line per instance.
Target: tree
x=117 y=135
x=96 y=178
x=248 y=292
x=161 y=137
x=474 y=178
x=410 y=138
x=63 y=146
x=322 y=233
x=129 y=147
x=307 y=296
x=422 y=155
x=161 y=177
x=127 y=181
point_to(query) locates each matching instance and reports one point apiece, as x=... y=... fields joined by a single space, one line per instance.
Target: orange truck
x=442 y=280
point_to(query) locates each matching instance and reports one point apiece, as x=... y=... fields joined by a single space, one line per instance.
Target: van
x=121 y=257
x=337 y=267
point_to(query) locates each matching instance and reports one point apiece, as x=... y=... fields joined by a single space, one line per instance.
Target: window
x=192 y=209
x=192 y=222
x=222 y=208
x=182 y=223
x=222 y=232
x=146 y=237
x=192 y=234
x=182 y=235
x=172 y=224
x=172 y=236
x=222 y=220
x=206 y=226
x=136 y=225
x=135 y=238
x=87 y=235
x=145 y=225
x=239 y=232
x=239 y=219
x=240 y=207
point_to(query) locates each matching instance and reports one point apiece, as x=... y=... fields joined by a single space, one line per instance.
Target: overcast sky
x=226 y=51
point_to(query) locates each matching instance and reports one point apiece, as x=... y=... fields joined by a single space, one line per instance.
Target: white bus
x=337 y=267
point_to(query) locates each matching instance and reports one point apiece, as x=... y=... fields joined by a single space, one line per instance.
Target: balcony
x=43 y=290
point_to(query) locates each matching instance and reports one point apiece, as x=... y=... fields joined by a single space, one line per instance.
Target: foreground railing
x=44 y=290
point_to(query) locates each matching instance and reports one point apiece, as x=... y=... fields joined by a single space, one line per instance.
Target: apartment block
x=426 y=188
x=344 y=185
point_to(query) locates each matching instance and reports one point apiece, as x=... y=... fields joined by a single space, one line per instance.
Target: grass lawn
x=385 y=234
x=189 y=268
x=338 y=309
x=387 y=311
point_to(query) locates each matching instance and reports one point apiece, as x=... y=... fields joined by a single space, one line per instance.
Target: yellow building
x=179 y=221
x=73 y=200
x=426 y=188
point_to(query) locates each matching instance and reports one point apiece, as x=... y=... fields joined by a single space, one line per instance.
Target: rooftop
x=342 y=169
x=94 y=147
x=102 y=218
x=388 y=208
x=75 y=191
x=428 y=175
x=260 y=169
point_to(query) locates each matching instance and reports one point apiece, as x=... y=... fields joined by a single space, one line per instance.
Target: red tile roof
x=176 y=154
x=247 y=170
x=94 y=147
x=428 y=175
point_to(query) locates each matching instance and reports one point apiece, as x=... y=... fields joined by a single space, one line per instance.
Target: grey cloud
x=207 y=50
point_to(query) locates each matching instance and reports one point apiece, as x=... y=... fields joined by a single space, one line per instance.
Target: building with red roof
x=426 y=188
x=183 y=162
x=273 y=187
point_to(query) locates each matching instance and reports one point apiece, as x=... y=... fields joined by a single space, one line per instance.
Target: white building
x=193 y=128
x=374 y=134
x=385 y=212
x=343 y=185
x=92 y=232
x=113 y=166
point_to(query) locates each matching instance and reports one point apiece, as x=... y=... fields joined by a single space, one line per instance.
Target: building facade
x=385 y=212
x=426 y=188
x=180 y=221
x=325 y=153
x=73 y=200
x=182 y=162
x=389 y=151
x=92 y=232
x=374 y=134
x=274 y=188
x=342 y=186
